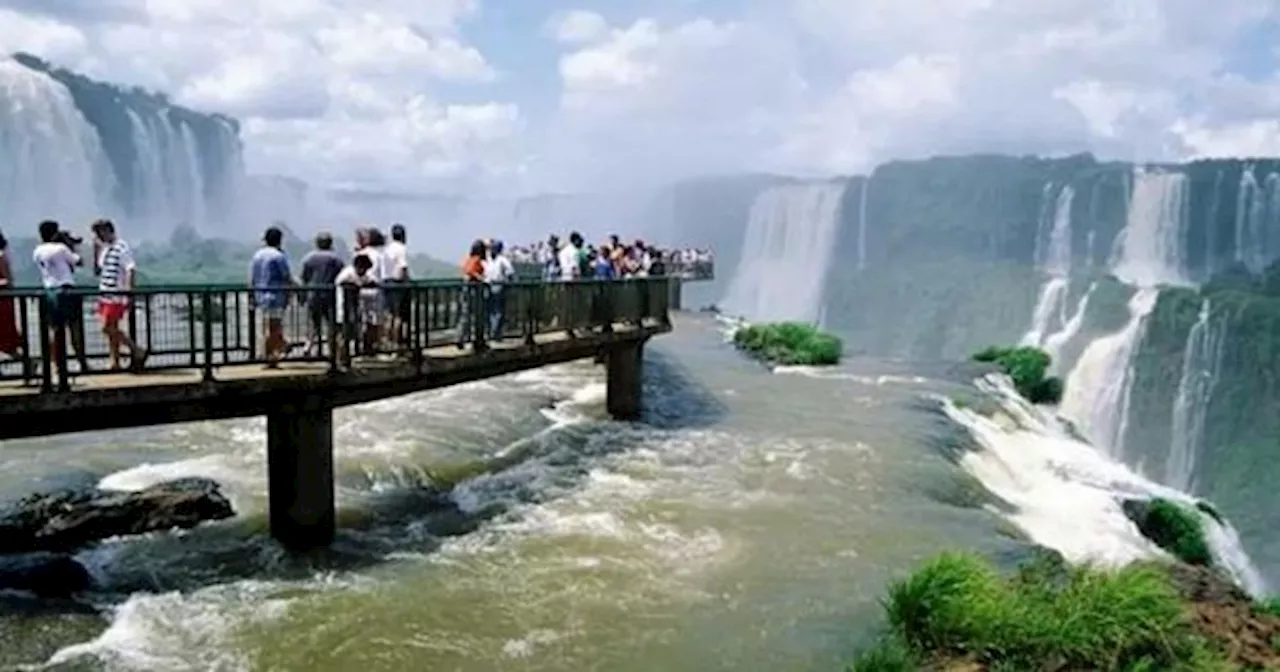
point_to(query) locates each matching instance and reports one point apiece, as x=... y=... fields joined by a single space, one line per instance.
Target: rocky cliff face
x=85 y=148
x=1155 y=288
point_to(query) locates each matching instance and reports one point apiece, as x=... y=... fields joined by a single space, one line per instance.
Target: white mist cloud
x=400 y=93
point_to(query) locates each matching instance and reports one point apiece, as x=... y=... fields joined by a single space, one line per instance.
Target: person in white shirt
x=498 y=271
x=57 y=263
x=395 y=258
x=359 y=318
x=569 y=256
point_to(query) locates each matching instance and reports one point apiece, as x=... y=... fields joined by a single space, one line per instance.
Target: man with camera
x=57 y=260
x=117 y=274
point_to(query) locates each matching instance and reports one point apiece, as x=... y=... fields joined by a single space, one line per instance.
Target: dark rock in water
x=70 y=519
x=713 y=309
x=1209 y=510
x=1173 y=527
x=45 y=574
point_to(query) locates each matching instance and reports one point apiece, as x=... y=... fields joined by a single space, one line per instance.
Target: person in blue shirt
x=270 y=279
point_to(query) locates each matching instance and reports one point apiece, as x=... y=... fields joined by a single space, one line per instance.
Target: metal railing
x=205 y=327
x=696 y=270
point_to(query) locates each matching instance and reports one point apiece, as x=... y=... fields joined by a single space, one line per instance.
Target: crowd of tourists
x=368 y=311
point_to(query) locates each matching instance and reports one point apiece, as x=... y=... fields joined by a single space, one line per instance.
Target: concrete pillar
x=675 y=292
x=300 y=474
x=625 y=373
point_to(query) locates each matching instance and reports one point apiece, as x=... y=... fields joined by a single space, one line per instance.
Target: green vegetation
x=958 y=609
x=1028 y=367
x=1175 y=528
x=789 y=343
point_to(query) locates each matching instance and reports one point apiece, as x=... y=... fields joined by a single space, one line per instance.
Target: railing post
x=415 y=326
x=207 y=308
x=60 y=341
x=479 y=316
x=191 y=328
x=534 y=293
x=24 y=322
x=46 y=357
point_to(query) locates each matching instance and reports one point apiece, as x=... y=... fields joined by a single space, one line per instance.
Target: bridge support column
x=625 y=372
x=675 y=287
x=300 y=474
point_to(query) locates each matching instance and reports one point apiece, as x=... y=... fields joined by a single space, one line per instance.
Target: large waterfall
x=75 y=149
x=789 y=243
x=1149 y=252
x=1200 y=361
x=51 y=160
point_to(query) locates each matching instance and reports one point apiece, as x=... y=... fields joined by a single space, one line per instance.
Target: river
x=751 y=522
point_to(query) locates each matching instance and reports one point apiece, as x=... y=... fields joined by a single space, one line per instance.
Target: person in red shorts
x=116 y=273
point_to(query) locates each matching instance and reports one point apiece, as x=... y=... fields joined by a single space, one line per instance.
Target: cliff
x=143 y=158
x=939 y=258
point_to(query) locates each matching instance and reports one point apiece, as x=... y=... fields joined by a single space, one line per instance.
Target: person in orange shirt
x=473 y=274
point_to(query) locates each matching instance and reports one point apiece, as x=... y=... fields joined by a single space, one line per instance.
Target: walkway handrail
x=207 y=326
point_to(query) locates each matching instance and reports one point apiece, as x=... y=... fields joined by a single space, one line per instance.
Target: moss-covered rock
x=1029 y=368
x=1176 y=528
x=789 y=343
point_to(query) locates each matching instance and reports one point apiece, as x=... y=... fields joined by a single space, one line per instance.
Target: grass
x=1048 y=616
x=1177 y=529
x=790 y=344
x=1029 y=368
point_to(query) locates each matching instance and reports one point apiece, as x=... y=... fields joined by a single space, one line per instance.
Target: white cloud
x=394 y=91
x=578 y=27
x=340 y=91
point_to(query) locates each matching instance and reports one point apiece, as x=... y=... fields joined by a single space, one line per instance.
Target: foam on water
x=1067 y=494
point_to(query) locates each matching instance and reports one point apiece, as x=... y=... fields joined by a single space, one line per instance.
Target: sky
x=490 y=96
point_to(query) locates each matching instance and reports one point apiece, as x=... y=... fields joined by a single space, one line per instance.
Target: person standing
x=57 y=263
x=569 y=257
x=396 y=284
x=10 y=337
x=117 y=277
x=320 y=268
x=270 y=280
x=497 y=272
x=469 y=299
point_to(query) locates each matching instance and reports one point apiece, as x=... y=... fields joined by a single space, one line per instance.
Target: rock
x=70 y=519
x=1223 y=613
x=1209 y=510
x=45 y=574
x=1174 y=527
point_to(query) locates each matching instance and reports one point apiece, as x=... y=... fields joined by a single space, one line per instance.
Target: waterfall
x=1054 y=344
x=1054 y=258
x=787 y=249
x=1211 y=264
x=862 y=223
x=54 y=165
x=1200 y=360
x=1097 y=390
x=1257 y=230
x=1150 y=248
x=1149 y=252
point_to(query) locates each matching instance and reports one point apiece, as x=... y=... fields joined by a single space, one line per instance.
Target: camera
x=69 y=239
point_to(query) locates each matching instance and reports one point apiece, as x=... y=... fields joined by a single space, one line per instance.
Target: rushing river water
x=750 y=523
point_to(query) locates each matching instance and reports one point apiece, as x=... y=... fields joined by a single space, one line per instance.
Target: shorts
x=271 y=312
x=64 y=307
x=112 y=311
x=395 y=300
x=321 y=310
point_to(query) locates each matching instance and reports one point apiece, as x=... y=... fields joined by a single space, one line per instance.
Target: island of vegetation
x=1029 y=369
x=959 y=612
x=789 y=344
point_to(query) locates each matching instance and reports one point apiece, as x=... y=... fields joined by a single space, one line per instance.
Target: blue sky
x=483 y=96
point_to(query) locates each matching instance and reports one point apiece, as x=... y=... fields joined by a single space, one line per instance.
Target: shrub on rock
x=789 y=344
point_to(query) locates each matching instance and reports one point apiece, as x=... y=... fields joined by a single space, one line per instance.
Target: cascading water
x=1149 y=253
x=1054 y=344
x=788 y=247
x=1200 y=361
x=1257 y=220
x=862 y=223
x=54 y=165
x=1054 y=258
x=1067 y=494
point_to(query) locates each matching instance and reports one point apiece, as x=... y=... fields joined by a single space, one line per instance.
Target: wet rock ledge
x=39 y=533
